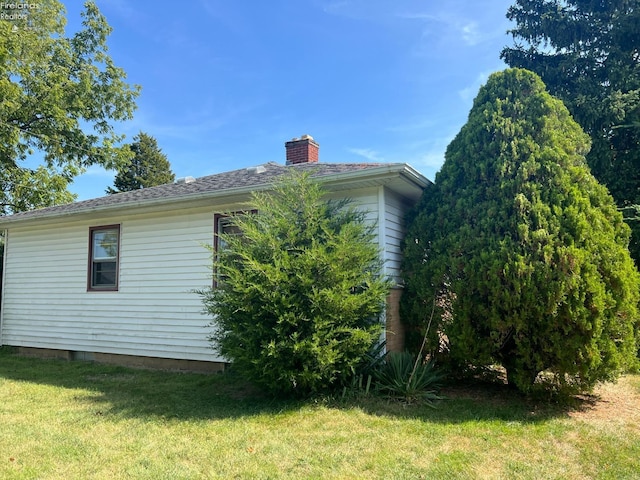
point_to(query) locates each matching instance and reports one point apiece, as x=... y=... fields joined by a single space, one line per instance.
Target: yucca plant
x=409 y=378
x=362 y=379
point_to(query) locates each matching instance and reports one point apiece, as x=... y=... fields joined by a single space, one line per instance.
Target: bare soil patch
x=611 y=404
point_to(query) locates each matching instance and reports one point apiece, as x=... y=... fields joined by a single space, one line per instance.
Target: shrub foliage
x=586 y=53
x=524 y=252
x=300 y=291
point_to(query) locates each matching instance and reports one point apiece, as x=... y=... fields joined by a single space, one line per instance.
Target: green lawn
x=73 y=420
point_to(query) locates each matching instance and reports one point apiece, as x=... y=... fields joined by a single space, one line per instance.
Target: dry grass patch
x=612 y=405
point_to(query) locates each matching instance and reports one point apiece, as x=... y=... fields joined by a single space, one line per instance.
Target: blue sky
x=226 y=82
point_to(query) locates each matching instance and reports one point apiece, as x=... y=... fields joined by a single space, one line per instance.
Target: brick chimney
x=302 y=150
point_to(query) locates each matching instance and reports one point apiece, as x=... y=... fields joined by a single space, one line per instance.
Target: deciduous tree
x=59 y=96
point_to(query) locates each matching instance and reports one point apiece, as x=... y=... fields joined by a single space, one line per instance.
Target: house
x=111 y=279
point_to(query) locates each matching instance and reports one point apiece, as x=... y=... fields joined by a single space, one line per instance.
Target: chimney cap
x=302 y=137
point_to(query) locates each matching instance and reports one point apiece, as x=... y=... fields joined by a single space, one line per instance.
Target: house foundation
x=133 y=361
x=394 y=327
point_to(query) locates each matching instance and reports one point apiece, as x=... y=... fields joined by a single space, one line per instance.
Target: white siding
x=153 y=313
x=395 y=210
x=387 y=210
x=366 y=200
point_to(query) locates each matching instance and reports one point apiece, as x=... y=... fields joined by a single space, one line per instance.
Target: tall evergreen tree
x=149 y=167
x=521 y=247
x=587 y=52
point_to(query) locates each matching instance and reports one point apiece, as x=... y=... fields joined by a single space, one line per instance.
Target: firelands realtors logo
x=16 y=11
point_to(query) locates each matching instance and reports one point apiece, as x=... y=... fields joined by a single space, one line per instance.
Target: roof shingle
x=220 y=182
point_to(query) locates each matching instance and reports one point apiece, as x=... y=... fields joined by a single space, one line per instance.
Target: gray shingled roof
x=218 y=183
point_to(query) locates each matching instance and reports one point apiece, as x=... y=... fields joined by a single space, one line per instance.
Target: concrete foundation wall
x=125 y=360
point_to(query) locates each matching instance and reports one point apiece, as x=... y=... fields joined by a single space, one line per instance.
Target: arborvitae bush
x=299 y=292
x=524 y=245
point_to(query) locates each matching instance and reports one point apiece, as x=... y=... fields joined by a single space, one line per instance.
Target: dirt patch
x=612 y=404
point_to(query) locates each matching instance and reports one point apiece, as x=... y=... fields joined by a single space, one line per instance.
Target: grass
x=73 y=420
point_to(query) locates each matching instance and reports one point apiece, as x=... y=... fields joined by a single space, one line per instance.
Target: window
x=223 y=224
x=104 y=250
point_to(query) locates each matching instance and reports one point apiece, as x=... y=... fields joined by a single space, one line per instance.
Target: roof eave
x=336 y=180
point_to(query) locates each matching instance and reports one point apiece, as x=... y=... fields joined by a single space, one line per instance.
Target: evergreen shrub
x=300 y=291
x=524 y=251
